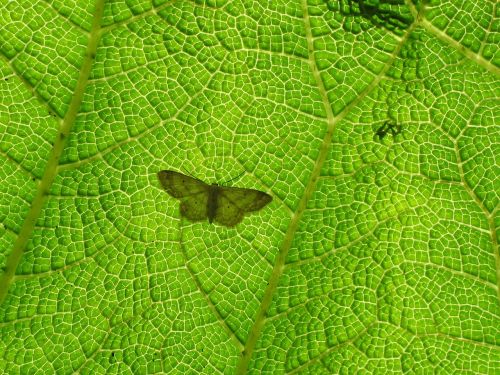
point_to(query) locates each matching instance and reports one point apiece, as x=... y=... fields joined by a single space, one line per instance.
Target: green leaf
x=379 y=251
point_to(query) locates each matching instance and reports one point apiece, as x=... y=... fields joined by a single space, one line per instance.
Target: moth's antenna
x=188 y=172
x=234 y=178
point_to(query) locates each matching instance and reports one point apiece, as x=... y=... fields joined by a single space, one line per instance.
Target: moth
x=199 y=200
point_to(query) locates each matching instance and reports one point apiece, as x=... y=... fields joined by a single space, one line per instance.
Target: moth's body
x=212 y=201
x=200 y=201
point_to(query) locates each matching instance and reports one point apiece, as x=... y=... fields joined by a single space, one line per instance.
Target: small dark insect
x=382 y=13
x=387 y=127
x=200 y=201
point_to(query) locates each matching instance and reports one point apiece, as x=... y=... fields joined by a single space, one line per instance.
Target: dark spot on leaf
x=389 y=14
x=386 y=128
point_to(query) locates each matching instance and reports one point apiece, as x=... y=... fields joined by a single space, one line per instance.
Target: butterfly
x=222 y=204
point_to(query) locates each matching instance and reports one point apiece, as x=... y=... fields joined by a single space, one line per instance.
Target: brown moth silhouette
x=199 y=201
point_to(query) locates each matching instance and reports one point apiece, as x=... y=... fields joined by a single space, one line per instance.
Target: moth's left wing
x=179 y=185
x=194 y=207
x=193 y=193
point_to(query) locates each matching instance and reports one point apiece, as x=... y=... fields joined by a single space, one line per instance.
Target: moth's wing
x=232 y=203
x=194 y=207
x=227 y=213
x=192 y=192
x=179 y=185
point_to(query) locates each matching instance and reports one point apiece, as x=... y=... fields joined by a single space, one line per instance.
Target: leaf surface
x=379 y=252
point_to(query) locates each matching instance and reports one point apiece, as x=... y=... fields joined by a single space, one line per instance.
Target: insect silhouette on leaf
x=390 y=14
x=199 y=201
x=387 y=127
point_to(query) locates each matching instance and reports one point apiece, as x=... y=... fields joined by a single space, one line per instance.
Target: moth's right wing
x=234 y=202
x=179 y=185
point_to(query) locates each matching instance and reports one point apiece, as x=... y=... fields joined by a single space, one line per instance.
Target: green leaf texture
x=377 y=255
